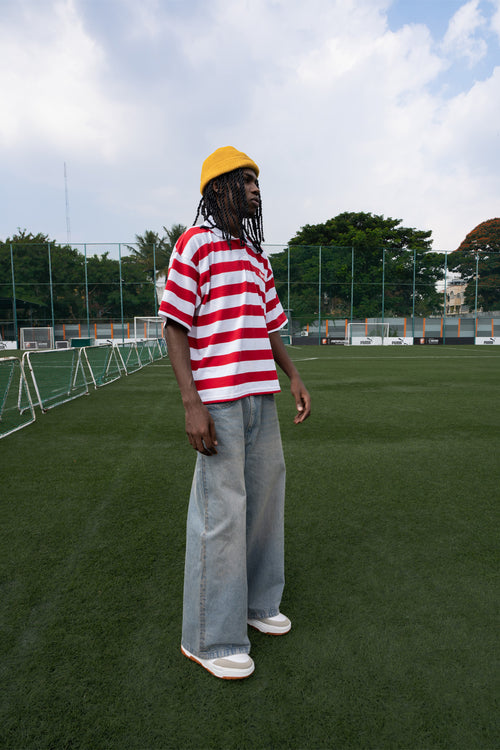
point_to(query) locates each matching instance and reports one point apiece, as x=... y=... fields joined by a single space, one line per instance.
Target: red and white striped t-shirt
x=227 y=301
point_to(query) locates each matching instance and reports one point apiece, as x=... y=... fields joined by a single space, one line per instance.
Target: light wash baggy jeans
x=235 y=530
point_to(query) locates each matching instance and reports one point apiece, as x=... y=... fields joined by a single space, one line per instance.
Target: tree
x=51 y=278
x=173 y=235
x=148 y=252
x=106 y=293
x=45 y=274
x=382 y=251
x=153 y=252
x=54 y=281
x=480 y=251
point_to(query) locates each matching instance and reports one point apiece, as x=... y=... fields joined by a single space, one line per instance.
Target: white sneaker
x=232 y=667
x=277 y=625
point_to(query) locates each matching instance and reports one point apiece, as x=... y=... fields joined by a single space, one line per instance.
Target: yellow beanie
x=224 y=160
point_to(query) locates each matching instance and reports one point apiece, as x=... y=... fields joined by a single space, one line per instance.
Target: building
x=455 y=297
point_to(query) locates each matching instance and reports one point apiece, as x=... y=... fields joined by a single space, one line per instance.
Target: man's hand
x=297 y=387
x=302 y=399
x=200 y=429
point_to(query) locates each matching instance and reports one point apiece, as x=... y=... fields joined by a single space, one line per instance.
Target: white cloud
x=495 y=20
x=461 y=38
x=340 y=112
x=50 y=78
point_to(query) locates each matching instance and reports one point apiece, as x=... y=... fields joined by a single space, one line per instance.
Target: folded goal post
x=366 y=334
x=57 y=376
x=16 y=406
x=130 y=356
x=104 y=363
x=148 y=328
x=41 y=337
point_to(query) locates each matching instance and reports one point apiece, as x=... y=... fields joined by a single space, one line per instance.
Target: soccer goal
x=130 y=356
x=57 y=376
x=104 y=363
x=148 y=328
x=367 y=334
x=37 y=338
x=16 y=406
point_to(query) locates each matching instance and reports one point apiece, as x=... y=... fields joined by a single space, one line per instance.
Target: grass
x=392 y=559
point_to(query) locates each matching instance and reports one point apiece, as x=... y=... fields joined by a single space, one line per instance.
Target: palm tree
x=148 y=252
x=153 y=252
x=169 y=241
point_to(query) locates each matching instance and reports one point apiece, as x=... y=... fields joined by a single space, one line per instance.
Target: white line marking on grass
x=402 y=359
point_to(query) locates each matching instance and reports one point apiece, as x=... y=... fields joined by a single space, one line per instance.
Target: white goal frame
x=367 y=334
x=37 y=338
x=15 y=397
x=148 y=328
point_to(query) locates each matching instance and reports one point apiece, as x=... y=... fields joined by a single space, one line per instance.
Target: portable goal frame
x=148 y=328
x=37 y=338
x=367 y=334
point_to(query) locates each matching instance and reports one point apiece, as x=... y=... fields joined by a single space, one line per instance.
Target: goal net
x=16 y=407
x=130 y=356
x=148 y=328
x=37 y=338
x=367 y=334
x=57 y=376
x=104 y=363
x=148 y=351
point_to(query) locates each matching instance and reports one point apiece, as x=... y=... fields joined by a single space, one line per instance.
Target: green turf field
x=392 y=560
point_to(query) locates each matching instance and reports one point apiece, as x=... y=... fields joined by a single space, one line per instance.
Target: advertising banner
x=398 y=341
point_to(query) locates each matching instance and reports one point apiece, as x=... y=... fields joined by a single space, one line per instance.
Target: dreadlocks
x=213 y=207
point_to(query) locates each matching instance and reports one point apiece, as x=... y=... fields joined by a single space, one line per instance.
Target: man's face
x=252 y=191
x=251 y=195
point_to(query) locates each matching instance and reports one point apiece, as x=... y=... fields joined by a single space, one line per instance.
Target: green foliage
x=153 y=252
x=49 y=275
x=480 y=248
x=105 y=292
x=148 y=252
x=380 y=248
x=37 y=259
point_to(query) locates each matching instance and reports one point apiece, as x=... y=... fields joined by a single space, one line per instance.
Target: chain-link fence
x=96 y=290
x=449 y=297
x=78 y=289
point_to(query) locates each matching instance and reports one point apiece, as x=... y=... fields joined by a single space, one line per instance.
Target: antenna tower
x=68 y=226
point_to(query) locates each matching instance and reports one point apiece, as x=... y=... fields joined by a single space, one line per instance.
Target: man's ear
x=215 y=186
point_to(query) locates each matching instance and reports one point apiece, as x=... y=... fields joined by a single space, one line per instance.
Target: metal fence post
x=288 y=283
x=121 y=285
x=383 y=291
x=475 y=297
x=51 y=288
x=319 y=297
x=445 y=290
x=14 y=306
x=155 y=301
x=87 y=292
x=352 y=284
x=414 y=292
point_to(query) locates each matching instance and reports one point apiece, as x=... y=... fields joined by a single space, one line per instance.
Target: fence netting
x=95 y=291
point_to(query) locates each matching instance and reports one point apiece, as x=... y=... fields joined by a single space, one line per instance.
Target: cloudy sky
x=385 y=106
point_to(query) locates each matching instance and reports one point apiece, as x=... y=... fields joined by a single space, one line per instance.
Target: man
x=223 y=319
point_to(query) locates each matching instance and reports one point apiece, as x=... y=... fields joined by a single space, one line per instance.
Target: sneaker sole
x=269 y=629
x=223 y=673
